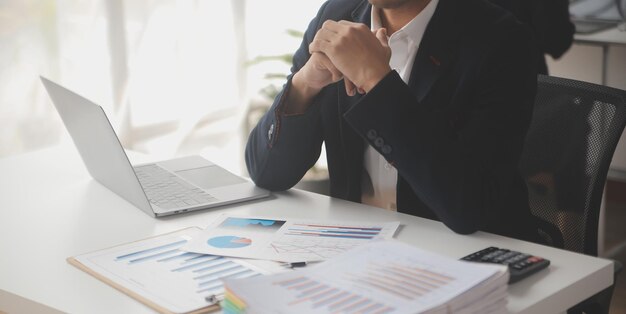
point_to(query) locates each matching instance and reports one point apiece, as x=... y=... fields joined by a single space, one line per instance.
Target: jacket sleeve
x=282 y=148
x=554 y=30
x=463 y=175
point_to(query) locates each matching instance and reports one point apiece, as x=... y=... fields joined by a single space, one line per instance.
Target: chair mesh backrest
x=570 y=143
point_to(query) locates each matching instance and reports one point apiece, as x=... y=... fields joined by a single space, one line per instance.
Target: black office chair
x=572 y=137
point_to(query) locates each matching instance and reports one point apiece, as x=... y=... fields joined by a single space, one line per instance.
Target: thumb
x=381 y=34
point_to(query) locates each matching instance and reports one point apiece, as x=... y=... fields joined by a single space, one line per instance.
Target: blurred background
x=180 y=77
x=176 y=77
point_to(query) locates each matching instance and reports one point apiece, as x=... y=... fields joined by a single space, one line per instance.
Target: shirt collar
x=414 y=30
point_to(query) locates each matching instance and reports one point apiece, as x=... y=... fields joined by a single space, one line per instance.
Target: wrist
x=300 y=95
x=302 y=86
x=374 y=78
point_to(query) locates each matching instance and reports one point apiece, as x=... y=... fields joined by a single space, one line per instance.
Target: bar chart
x=393 y=281
x=159 y=270
x=206 y=270
x=402 y=281
x=309 y=241
x=380 y=277
x=333 y=231
x=321 y=297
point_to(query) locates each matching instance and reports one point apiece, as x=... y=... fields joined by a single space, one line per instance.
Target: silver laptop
x=159 y=189
x=590 y=16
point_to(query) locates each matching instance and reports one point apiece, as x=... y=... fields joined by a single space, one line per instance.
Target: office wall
x=584 y=62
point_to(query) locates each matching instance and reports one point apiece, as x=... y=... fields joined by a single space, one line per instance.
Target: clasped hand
x=350 y=51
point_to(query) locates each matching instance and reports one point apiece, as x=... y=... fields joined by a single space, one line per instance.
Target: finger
x=381 y=34
x=348 y=23
x=331 y=26
x=360 y=27
x=325 y=34
x=350 y=87
x=318 y=46
x=335 y=73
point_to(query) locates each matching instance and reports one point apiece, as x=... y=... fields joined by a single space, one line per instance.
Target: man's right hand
x=306 y=83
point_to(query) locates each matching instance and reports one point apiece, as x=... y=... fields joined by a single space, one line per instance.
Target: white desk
x=611 y=36
x=52 y=209
x=605 y=39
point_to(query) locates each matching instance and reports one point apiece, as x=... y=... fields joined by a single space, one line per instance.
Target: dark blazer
x=454 y=133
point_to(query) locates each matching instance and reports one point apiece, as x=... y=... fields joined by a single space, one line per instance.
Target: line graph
x=311 y=249
x=320 y=241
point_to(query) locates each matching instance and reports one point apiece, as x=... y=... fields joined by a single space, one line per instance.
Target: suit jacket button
x=270 y=132
x=372 y=135
x=379 y=142
x=386 y=149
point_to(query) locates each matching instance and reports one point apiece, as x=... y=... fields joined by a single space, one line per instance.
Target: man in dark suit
x=444 y=104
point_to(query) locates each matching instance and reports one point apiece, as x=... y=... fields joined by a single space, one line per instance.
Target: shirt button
x=371 y=134
x=270 y=132
x=378 y=142
x=386 y=149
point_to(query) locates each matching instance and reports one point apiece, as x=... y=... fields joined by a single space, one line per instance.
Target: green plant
x=316 y=173
x=277 y=79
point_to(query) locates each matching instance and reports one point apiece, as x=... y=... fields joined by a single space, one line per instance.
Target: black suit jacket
x=454 y=133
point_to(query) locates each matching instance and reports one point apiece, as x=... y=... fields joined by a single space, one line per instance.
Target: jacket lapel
x=435 y=54
x=437 y=50
x=362 y=13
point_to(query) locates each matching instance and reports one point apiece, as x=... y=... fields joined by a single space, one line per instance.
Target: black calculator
x=521 y=265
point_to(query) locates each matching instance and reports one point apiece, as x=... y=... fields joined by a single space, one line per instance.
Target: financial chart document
x=379 y=277
x=157 y=270
x=286 y=240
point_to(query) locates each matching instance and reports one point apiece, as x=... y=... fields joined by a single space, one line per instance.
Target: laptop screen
x=590 y=16
x=607 y=10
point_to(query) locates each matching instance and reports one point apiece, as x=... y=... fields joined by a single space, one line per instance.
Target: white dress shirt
x=380 y=178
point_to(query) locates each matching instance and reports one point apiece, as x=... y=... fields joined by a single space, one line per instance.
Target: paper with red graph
x=286 y=240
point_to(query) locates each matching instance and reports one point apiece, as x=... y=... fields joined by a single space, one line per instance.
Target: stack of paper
x=379 y=277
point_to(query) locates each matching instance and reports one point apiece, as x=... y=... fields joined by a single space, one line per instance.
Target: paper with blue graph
x=158 y=273
x=290 y=240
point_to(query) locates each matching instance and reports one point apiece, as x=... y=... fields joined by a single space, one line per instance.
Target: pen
x=295 y=264
x=214 y=298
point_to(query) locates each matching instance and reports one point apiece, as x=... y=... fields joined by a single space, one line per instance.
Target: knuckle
x=343 y=41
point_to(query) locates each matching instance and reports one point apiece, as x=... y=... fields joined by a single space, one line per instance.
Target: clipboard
x=183 y=280
x=132 y=294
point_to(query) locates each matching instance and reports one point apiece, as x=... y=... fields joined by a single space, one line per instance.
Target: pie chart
x=229 y=242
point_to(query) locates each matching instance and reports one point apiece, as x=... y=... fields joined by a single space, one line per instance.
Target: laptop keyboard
x=168 y=191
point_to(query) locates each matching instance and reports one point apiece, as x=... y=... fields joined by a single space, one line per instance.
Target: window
x=172 y=75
